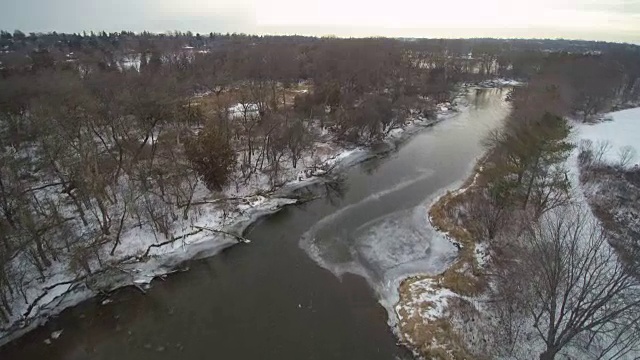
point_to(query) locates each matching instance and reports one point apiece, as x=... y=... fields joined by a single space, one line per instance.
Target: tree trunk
x=120 y=226
x=534 y=173
x=4 y=318
x=105 y=223
x=41 y=253
x=75 y=201
x=549 y=354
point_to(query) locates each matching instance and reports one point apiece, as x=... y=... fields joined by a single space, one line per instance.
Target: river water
x=311 y=283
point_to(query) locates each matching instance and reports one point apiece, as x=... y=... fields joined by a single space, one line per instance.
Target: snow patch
x=430 y=301
x=623 y=131
x=240 y=110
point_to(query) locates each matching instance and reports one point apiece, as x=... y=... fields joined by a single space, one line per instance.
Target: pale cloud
x=614 y=20
x=468 y=14
x=205 y=7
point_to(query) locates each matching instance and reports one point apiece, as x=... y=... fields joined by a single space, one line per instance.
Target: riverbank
x=444 y=316
x=213 y=224
x=425 y=302
x=384 y=236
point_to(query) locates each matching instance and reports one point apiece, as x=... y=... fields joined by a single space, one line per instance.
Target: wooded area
x=104 y=132
x=556 y=276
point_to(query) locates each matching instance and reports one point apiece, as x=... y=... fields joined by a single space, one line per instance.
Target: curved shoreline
x=423 y=299
x=430 y=306
x=388 y=292
x=140 y=271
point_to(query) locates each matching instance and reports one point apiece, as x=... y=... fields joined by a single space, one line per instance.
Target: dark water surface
x=269 y=299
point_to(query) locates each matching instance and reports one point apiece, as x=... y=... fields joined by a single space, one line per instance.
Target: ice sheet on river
x=384 y=251
x=401 y=243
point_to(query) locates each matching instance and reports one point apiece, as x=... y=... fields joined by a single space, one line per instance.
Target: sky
x=610 y=20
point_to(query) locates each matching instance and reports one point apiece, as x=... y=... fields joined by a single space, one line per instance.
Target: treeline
x=102 y=133
x=526 y=164
x=17 y=40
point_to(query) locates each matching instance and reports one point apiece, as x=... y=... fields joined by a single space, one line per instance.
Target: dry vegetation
x=613 y=192
x=437 y=338
x=518 y=206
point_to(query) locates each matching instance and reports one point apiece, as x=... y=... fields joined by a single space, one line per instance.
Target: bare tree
x=626 y=155
x=571 y=285
x=602 y=147
x=488 y=214
x=299 y=140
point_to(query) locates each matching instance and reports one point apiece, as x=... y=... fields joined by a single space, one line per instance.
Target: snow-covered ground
x=213 y=223
x=429 y=302
x=429 y=292
x=424 y=301
x=143 y=254
x=239 y=110
x=620 y=130
x=500 y=82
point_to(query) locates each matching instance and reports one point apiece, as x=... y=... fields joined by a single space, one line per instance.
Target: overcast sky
x=612 y=20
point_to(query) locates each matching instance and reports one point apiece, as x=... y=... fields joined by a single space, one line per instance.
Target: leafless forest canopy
x=108 y=130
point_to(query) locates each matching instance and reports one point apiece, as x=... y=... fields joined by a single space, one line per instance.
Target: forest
x=104 y=132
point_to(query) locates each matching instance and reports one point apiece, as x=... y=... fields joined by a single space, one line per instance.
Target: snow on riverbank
x=140 y=258
x=429 y=292
x=421 y=307
x=212 y=225
x=367 y=252
x=426 y=312
x=619 y=130
x=391 y=248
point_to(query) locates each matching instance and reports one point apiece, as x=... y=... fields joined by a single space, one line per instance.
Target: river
x=310 y=284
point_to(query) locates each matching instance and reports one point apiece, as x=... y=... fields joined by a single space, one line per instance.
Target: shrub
x=212 y=157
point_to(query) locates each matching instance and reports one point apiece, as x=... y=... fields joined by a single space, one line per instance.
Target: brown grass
x=437 y=339
x=443 y=214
